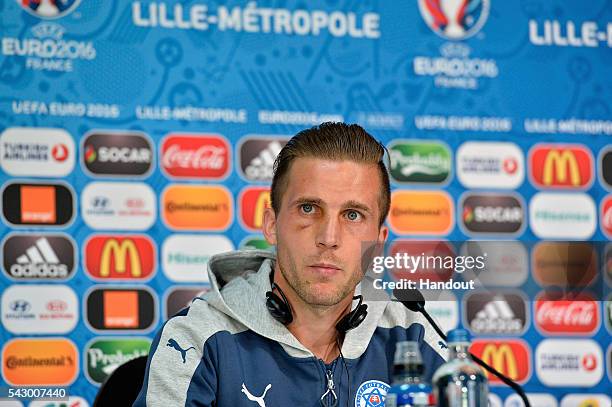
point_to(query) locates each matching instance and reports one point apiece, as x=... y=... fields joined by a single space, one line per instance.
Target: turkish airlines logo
x=606 y=216
x=578 y=316
x=510 y=357
x=490 y=165
x=37 y=204
x=568 y=166
x=38 y=152
x=492 y=214
x=40 y=362
x=39 y=257
x=121 y=309
x=496 y=313
x=256 y=156
x=117 y=154
x=253 y=201
x=569 y=362
x=195 y=156
x=129 y=257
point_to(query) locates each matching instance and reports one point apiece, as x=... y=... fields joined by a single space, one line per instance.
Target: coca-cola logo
x=195 y=156
x=564 y=316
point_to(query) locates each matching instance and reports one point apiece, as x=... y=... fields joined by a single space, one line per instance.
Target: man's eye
x=307 y=208
x=353 y=215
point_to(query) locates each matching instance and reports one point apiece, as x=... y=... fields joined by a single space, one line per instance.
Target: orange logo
x=421 y=213
x=195 y=207
x=253 y=202
x=120 y=309
x=40 y=362
x=37 y=204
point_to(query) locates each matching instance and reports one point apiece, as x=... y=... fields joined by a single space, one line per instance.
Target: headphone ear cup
x=278 y=308
x=353 y=319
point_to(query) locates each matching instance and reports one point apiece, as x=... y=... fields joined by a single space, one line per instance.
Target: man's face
x=329 y=209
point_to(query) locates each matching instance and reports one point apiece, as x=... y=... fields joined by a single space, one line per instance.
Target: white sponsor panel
x=73 y=401
x=535 y=399
x=39 y=309
x=506 y=263
x=490 y=165
x=37 y=152
x=562 y=215
x=586 y=400
x=442 y=306
x=494 y=400
x=569 y=362
x=118 y=206
x=185 y=257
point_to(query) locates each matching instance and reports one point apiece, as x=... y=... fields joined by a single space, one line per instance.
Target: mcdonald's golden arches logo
x=120 y=257
x=253 y=202
x=510 y=357
x=561 y=166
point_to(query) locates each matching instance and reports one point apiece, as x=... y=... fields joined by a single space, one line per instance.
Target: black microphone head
x=411 y=298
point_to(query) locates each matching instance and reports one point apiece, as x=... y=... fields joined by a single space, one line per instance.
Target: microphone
x=413 y=300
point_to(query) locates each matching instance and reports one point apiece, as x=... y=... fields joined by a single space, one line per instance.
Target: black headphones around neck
x=280 y=309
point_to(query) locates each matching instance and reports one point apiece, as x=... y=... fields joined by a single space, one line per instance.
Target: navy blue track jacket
x=226 y=350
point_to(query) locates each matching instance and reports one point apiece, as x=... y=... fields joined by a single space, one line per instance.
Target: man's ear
x=269 y=226
x=383 y=233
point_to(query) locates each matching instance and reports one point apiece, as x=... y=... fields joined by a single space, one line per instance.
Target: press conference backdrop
x=137 y=139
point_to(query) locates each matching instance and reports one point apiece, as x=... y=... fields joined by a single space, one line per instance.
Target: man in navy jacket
x=330 y=196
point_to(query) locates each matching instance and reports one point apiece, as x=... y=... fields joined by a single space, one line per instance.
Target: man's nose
x=328 y=235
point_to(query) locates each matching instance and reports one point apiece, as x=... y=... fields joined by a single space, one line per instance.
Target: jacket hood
x=239 y=281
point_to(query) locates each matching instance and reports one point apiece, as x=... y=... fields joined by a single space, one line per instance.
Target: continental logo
x=252 y=203
x=195 y=207
x=567 y=166
x=510 y=357
x=421 y=213
x=127 y=257
x=40 y=362
x=564 y=264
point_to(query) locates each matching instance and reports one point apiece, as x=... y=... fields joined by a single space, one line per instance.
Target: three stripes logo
x=41 y=256
x=496 y=313
x=257 y=155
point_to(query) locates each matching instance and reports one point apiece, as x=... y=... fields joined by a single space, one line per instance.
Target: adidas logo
x=39 y=260
x=496 y=317
x=261 y=167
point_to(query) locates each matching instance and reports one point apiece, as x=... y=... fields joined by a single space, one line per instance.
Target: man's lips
x=325 y=268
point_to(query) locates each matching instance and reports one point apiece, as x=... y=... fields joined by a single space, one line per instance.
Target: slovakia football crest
x=49 y=9
x=455 y=19
x=371 y=394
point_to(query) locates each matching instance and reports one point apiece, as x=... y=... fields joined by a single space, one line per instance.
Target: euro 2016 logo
x=49 y=9
x=455 y=19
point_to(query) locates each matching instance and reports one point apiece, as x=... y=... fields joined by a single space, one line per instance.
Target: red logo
x=510 y=357
x=589 y=362
x=606 y=215
x=195 y=156
x=253 y=202
x=126 y=257
x=561 y=166
x=59 y=152
x=510 y=165
x=57 y=306
x=578 y=316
